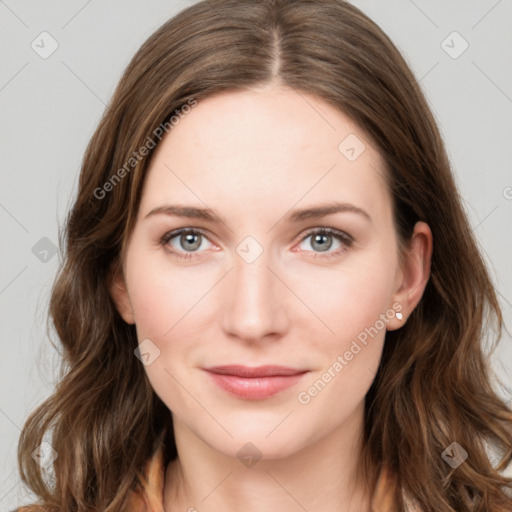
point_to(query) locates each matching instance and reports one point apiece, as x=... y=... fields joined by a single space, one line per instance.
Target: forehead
x=272 y=146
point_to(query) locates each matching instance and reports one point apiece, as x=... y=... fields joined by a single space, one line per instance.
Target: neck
x=317 y=477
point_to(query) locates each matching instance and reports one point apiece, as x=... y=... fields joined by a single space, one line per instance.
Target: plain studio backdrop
x=60 y=63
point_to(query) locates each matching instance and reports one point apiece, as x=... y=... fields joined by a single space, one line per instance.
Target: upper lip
x=254 y=371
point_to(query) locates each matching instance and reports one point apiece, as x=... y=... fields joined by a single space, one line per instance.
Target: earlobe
x=415 y=274
x=119 y=293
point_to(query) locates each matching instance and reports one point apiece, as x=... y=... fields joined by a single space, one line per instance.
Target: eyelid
x=344 y=238
x=337 y=233
x=169 y=235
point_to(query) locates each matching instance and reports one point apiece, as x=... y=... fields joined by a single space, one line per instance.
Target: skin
x=252 y=157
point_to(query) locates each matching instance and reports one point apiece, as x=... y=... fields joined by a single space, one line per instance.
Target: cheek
x=166 y=302
x=350 y=299
x=355 y=304
x=165 y=298
x=356 y=308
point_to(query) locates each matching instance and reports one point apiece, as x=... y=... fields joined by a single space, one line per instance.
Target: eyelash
x=342 y=237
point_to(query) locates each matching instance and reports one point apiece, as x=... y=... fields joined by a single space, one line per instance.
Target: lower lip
x=256 y=388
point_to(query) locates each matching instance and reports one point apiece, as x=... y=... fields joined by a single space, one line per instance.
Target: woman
x=250 y=370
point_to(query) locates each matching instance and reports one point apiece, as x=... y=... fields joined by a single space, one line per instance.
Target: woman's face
x=263 y=286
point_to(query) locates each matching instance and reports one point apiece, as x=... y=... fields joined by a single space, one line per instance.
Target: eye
x=185 y=242
x=322 y=242
x=188 y=241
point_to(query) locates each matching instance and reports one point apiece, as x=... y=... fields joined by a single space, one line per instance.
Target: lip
x=254 y=382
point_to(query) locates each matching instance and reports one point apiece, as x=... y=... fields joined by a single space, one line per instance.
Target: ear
x=414 y=274
x=119 y=293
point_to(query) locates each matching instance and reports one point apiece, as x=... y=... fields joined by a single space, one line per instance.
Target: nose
x=256 y=308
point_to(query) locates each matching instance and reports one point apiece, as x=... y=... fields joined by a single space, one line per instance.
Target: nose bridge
x=256 y=302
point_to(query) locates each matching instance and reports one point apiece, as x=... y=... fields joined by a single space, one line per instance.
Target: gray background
x=51 y=106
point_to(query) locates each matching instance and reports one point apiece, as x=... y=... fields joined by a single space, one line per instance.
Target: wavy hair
x=433 y=385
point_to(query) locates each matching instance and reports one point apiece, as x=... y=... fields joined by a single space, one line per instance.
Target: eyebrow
x=313 y=212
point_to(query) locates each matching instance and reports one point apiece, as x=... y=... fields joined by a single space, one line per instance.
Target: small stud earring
x=399 y=316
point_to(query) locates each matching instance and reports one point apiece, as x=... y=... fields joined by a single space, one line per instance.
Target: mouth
x=254 y=383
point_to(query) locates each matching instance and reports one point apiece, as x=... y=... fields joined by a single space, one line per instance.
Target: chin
x=258 y=444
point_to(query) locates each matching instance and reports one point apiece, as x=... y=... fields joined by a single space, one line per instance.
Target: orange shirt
x=151 y=499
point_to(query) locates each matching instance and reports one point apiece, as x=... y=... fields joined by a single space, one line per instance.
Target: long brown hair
x=433 y=385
